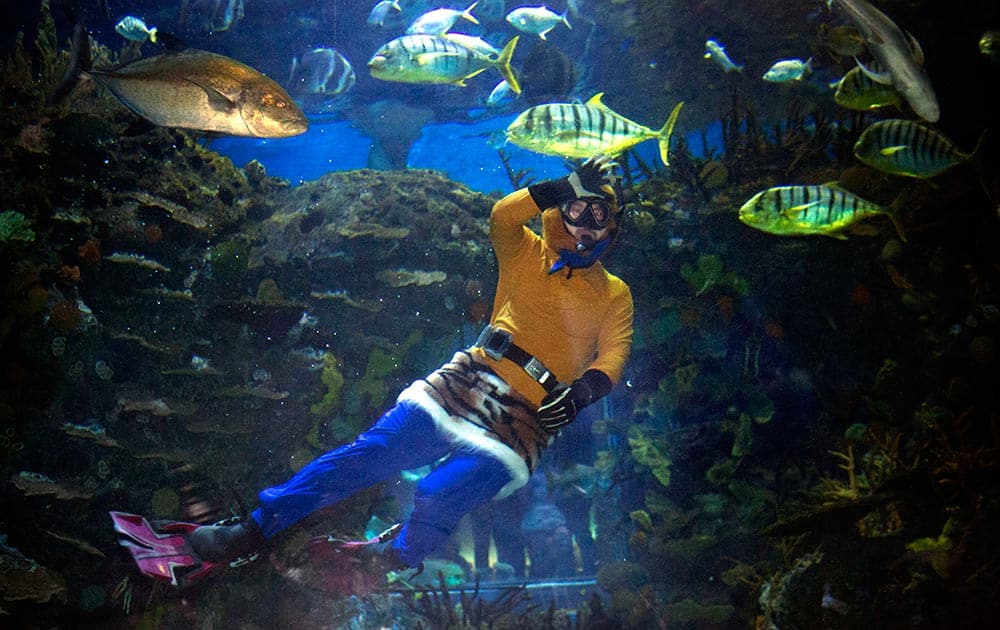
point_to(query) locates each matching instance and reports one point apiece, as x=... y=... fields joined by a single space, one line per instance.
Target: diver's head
x=591 y=220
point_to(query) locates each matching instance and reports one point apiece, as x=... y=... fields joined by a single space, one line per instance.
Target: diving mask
x=593 y=213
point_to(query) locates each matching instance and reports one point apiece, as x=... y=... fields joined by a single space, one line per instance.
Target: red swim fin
x=162 y=552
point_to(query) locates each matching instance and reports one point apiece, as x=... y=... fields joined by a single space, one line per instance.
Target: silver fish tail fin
x=79 y=63
x=503 y=65
x=894 y=212
x=664 y=133
x=467 y=14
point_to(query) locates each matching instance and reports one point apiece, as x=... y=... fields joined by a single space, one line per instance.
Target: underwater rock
x=410 y=277
x=21 y=578
x=393 y=127
x=32 y=483
x=269 y=319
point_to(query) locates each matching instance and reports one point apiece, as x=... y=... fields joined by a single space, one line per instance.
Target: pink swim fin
x=162 y=551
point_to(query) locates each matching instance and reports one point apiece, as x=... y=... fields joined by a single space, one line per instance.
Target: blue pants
x=404 y=437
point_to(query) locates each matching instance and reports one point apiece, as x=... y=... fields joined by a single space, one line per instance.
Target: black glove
x=560 y=406
x=585 y=181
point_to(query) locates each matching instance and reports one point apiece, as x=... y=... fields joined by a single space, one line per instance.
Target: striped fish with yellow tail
x=573 y=130
x=824 y=209
x=905 y=147
x=435 y=59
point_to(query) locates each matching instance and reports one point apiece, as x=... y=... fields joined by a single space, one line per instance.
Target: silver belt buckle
x=536 y=369
x=494 y=342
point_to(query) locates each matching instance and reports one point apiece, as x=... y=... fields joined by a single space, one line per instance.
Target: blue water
x=339 y=146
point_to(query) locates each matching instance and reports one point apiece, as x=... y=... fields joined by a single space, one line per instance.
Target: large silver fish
x=193 y=89
x=894 y=51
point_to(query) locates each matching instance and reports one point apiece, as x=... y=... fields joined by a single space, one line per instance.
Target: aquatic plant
x=381 y=364
x=471 y=610
x=14 y=227
x=688 y=611
x=707 y=274
x=650 y=453
x=332 y=377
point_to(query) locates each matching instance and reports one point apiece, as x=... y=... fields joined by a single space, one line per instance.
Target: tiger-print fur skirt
x=480 y=411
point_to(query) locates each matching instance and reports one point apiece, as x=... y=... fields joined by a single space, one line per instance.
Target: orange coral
x=68 y=274
x=727 y=307
x=860 y=295
x=90 y=252
x=154 y=233
x=774 y=330
x=65 y=316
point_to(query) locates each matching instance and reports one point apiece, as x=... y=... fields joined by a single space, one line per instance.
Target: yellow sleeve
x=615 y=338
x=508 y=221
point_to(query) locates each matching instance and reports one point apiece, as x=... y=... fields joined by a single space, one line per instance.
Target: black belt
x=499 y=344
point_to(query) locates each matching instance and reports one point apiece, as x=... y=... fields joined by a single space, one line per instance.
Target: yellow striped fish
x=904 y=147
x=806 y=210
x=436 y=59
x=579 y=131
x=856 y=91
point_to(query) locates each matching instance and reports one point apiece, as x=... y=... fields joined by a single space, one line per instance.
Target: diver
x=558 y=339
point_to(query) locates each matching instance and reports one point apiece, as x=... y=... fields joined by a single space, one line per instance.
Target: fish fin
x=461 y=82
x=883 y=78
x=503 y=65
x=595 y=101
x=79 y=65
x=789 y=213
x=216 y=99
x=664 y=133
x=915 y=50
x=887 y=151
x=497 y=139
x=467 y=14
x=428 y=58
x=893 y=211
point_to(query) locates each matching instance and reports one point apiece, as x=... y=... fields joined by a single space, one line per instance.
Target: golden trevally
x=437 y=59
x=805 y=210
x=578 y=131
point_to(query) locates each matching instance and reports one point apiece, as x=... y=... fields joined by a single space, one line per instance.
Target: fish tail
x=152 y=34
x=79 y=63
x=564 y=20
x=894 y=212
x=664 y=133
x=503 y=65
x=467 y=14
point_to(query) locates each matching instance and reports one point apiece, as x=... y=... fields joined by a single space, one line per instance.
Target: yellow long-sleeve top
x=571 y=322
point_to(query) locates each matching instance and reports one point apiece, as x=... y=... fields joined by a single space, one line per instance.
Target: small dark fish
x=192 y=89
x=905 y=147
x=844 y=41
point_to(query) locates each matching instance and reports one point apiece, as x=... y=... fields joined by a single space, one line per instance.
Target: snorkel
x=583 y=250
